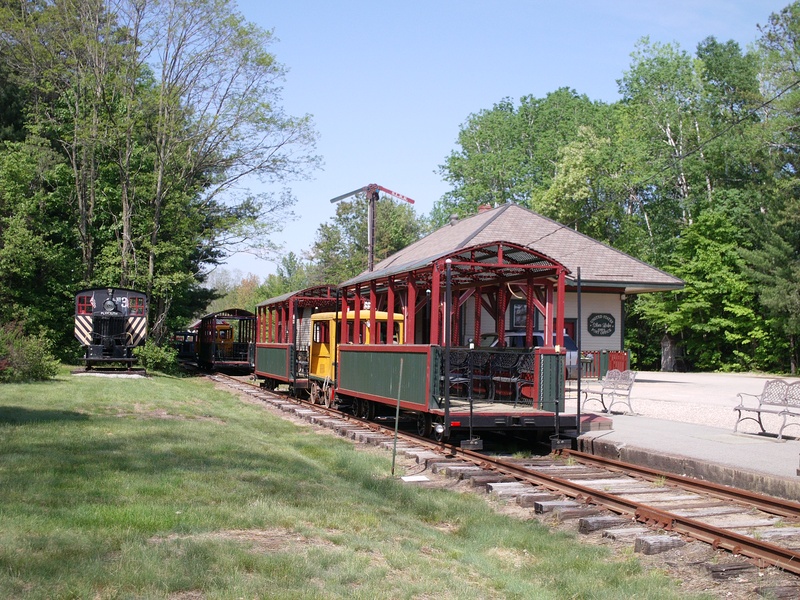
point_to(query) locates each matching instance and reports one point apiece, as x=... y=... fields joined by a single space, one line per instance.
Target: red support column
x=531 y=316
x=455 y=329
x=411 y=310
x=478 y=298
x=357 y=319
x=345 y=337
x=560 y=312
x=549 y=316
x=390 y=312
x=436 y=294
x=502 y=305
x=292 y=322
x=373 y=306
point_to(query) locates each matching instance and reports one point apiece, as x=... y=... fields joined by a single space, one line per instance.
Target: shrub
x=25 y=357
x=157 y=358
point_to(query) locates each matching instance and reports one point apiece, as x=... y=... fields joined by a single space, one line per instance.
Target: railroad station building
x=607 y=276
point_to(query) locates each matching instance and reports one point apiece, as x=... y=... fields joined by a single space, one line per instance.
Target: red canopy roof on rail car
x=277 y=316
x=305 y=297
x=478 y=265
x=230 y=313
x=484 y=268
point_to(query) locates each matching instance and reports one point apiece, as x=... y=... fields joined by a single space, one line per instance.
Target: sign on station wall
x=601 y=324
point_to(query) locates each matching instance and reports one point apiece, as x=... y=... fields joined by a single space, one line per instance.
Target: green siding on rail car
x=551 y=381
x=273 y=361
x=379 y=374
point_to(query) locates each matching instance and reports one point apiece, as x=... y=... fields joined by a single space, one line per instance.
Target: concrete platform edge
x=763 y=483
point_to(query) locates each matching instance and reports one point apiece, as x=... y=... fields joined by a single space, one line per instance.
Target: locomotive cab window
x=136 y=306
x=84 y=305
x=321 y=332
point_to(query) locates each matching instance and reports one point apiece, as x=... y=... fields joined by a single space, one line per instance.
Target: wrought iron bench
x=505 y=373
x=459 y=377
x=615 y=386
x=777 y=398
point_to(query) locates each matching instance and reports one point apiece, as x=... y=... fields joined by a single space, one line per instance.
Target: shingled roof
x=601 y=266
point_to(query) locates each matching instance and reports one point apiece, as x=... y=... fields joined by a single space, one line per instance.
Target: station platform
x=658 y=436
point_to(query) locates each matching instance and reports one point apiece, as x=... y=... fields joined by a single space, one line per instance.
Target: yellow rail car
x=325 y=334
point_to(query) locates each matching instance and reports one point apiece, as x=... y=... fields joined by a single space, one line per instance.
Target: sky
x=389 y=84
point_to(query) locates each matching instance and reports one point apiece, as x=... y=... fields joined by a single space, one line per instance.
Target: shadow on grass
x=17 y=415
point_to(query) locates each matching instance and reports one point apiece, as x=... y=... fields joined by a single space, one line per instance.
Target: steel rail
x=763 y=552
x=770 y=504
x=717 y=537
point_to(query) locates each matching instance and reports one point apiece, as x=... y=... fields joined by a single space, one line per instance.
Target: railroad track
x=657 y=510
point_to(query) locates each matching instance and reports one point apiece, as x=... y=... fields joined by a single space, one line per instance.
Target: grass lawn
x=169 y=488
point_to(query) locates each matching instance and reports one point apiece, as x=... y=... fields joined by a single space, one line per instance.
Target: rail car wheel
x=363 y=409
x=315 y=393
x=424 y=426
x=327 y=394
x=360 y=408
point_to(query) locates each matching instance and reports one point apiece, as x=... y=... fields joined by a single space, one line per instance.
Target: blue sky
x=388 y=84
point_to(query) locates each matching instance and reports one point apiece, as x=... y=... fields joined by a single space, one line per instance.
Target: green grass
x=169 y=488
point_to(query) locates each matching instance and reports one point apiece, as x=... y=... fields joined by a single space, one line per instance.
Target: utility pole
x=372 y=197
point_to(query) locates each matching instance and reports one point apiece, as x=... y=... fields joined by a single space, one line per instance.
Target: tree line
x=129 y=130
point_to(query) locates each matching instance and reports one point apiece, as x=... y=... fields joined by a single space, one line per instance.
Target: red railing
x=596 y=363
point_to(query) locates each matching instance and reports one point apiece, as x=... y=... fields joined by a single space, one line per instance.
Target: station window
x=84 y=305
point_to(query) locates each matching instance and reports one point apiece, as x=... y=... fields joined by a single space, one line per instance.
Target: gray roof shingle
x=601 y=265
